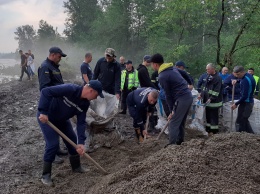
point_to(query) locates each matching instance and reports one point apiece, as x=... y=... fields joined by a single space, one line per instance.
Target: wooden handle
x=233 y=94
x=158 y=137
x=75 y=146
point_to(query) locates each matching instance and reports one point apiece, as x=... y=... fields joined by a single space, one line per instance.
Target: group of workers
x=138 y=92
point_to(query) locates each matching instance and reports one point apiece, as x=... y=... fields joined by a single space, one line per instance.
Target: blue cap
x=57 y=50
x=180 y=63
x=147 y=58
x=96 y=85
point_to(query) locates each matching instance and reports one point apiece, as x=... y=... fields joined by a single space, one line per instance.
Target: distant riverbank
x=4 y=63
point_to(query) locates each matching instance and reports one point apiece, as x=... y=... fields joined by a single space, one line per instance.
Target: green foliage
x=25 y=36
x=81 y=15
x=197 y=32
x=46 y=32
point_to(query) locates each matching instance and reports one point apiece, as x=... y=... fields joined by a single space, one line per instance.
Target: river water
x=4 y=63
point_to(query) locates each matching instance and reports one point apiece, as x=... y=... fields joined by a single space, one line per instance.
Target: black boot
x=61 y=152
x=58 y=160
x=46 y=174
x=75 y=164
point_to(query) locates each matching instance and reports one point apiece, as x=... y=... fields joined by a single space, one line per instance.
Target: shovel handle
x=146 y=126
x=166 y=125
x=75 y=146
x=233 y=94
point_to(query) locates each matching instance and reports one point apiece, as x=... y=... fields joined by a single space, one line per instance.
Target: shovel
x=146 y=126
x=233 y=94
x=166 y=125
x=75 y=146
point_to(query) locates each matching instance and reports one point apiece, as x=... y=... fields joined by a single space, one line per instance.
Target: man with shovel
x=49 y=74
x=58 y=104
x=246 y=102
x=178 y=96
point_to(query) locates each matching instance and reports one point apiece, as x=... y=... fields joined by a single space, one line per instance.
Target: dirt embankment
x=226 y=163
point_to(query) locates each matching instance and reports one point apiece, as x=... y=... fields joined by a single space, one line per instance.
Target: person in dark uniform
x=58 y=104
x=141 y=102
x=212 y=96
x=49 y=75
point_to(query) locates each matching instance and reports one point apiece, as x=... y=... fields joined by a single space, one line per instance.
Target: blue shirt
x=86 y=69
x=62 y=102
x=247 y=87
x=223 y=77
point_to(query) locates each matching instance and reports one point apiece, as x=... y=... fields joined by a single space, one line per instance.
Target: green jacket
x=133 y=80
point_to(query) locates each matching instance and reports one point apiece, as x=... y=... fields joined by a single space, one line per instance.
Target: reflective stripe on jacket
x=133 y=80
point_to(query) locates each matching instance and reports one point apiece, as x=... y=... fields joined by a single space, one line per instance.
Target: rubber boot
x=75 y=164
x=61 y=152
x=58 y=160
x=139 y=135
x=46 y=174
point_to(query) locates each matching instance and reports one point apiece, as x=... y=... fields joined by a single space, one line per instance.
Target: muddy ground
x=133 y=168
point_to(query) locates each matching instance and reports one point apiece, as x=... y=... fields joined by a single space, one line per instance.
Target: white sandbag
x=194 y=94
x=196 y=124
x=102 y=109
x=162 y=118
x=200 y=112
x=254 y=118
x=227 y=116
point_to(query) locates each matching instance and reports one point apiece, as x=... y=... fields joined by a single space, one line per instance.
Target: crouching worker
x=141 y=102
x=58 y=104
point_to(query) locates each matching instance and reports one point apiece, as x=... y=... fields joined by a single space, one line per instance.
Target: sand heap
x=225 y=163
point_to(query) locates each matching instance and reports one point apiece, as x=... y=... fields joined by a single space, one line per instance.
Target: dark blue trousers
x=177 y=123
x=51 y=138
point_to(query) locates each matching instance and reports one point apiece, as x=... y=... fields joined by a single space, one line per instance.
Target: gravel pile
x=225 y=163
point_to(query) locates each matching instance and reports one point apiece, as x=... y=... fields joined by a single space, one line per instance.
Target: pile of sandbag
x=254 y=119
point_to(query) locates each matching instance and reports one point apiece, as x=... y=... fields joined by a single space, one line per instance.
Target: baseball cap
x=147 y=58
x=128 y=62
x=96 y=85
x=180 y=63
x=110 y=52
x=57 y=50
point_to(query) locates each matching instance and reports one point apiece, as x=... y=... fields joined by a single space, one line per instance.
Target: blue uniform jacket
x=228 y=87
x=63 y=102
x=137 y=102
x=174 y=83
x=201 y=81
x=109 y=74
x=247 y=87
x=49 y=74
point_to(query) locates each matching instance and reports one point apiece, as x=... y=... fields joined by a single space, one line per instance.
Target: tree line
x=225 y=32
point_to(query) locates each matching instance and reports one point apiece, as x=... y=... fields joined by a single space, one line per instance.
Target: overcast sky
x=15 y=13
